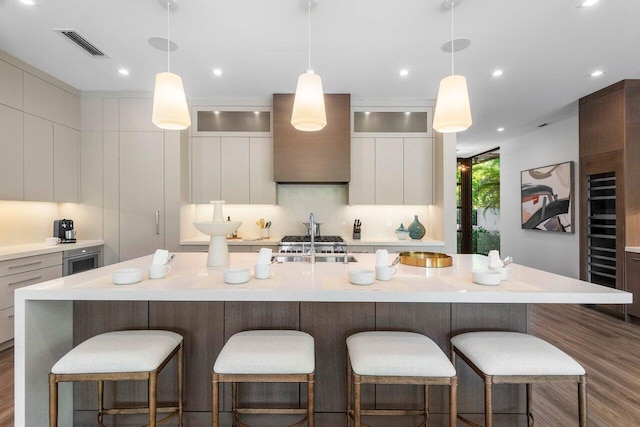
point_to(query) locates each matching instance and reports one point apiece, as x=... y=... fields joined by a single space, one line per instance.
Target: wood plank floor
x=607 y=347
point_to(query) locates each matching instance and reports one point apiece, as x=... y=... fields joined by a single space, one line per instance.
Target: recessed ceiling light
x=500 y=129
x=29 y=3
x=404 y=72
x=597 y=73
x=589 y=3
x=123 y=71
x=497 y=73
x=217 y=72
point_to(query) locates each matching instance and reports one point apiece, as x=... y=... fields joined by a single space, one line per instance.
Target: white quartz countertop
x=191 y=280
x=635 y=249
x=374 y=241
x=30 y=249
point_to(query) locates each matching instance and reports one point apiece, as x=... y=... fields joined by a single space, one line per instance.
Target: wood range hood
x=312 y=157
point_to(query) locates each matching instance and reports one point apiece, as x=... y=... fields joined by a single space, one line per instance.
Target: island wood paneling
x=91 y=318
x=330 y=324
x=507 y=399
x=432 y=320
x=200 y=323
x=242 y=316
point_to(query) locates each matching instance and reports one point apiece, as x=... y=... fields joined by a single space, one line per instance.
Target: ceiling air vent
x=78 y=39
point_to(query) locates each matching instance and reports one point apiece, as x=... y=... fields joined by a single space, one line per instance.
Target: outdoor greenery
x=485 y=184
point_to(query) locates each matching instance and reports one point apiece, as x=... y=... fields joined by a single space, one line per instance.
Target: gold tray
x=425 y=259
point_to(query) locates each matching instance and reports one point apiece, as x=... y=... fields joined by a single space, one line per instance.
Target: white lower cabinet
x=391 y=171
x=17 y=273
x=141 y=193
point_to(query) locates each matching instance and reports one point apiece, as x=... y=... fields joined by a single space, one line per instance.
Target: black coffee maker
x=63 y=229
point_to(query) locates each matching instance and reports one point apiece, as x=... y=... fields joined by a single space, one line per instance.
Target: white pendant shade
x=309 y=114
x=170 y=109
x=453 y=111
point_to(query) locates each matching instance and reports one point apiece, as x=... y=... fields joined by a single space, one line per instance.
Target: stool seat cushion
x=391 y=353
x=121 y=351
x=267 y=352
x=513 y=353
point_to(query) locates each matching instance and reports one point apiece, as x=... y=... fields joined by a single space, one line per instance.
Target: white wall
x=555 y=252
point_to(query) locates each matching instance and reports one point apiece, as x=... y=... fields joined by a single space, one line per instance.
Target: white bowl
x=236 y=276
x=362 y=277
x=127 y=276
x=402 y=235
x=486 y=277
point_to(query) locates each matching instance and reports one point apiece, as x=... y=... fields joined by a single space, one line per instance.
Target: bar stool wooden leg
x=453 y=402
x=349 y=390
x=310 y=399
x=488 y=402
x=100 y=403
x=582 y=400
x=215 y=401
x=53 y=401
x=180 y=385
x=426 y=406
x=356 y=400
x=153 y=395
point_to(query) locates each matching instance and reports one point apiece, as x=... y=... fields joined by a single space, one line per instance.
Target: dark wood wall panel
x=601 y=122
x=201 y=324
x=432 y=320
x=330 y=324
x=91 y=318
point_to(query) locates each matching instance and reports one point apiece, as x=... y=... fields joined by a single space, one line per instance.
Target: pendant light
x=170 y=109
x=308 y=113
x=453 y=111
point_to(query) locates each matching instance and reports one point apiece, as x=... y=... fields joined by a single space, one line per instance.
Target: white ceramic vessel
x=218 y=229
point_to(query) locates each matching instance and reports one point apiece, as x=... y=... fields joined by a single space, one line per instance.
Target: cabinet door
x=51 y=102
x=632 y=277
x=65 y=166
x=389 y=174
x=418 y=171
x=11 y=86
x=363 y=172
x=141 y=193
x=205 y=170
x=234 y=170
x=11 y=160
x=262 y=187
x=38 y=159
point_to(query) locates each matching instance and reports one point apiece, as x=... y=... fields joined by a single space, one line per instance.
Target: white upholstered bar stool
x=517 y=358
x=120 y=356
x=391 y=357
x=265 y=356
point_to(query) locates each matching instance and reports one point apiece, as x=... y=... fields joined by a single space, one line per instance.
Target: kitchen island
x=194 y=301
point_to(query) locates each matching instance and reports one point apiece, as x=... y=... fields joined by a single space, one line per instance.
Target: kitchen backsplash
x=26 y=222
x=329 y=203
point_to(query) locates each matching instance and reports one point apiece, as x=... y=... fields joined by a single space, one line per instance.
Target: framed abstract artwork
x=547 y=198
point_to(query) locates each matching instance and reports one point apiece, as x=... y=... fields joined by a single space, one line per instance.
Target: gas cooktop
x=305 y=239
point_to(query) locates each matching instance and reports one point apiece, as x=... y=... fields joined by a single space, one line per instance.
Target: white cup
x=263 y=271
x=264 y=233
x=158 y=271
x=385 y=272
x=505 y=272
x=51 y=241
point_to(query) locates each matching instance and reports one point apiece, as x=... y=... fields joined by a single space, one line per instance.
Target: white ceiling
x=547 y=48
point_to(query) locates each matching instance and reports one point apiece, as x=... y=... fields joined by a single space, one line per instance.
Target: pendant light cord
x=309 y=35
x=168 y=36
x=452 y=63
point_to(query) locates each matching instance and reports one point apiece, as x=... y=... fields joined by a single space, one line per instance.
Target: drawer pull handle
x=25 y=265
x=11 y=316
x=635 y=259
x=24 y=280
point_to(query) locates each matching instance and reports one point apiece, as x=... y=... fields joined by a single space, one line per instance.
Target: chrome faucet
x=312 y=232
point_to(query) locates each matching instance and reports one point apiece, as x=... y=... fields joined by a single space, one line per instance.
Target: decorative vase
x=416 y=229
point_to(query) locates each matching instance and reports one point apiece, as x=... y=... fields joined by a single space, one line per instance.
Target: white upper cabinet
x=11 y=160
x=262 y=187
x=135 y=115
x=205 y=169
x=66 y=153
x=362 y=189
x=418 y=171
x=11 y=86
x=389 y=180
x=45 y=100
x=38 y=159
x=391 y=171
x=234 y=170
